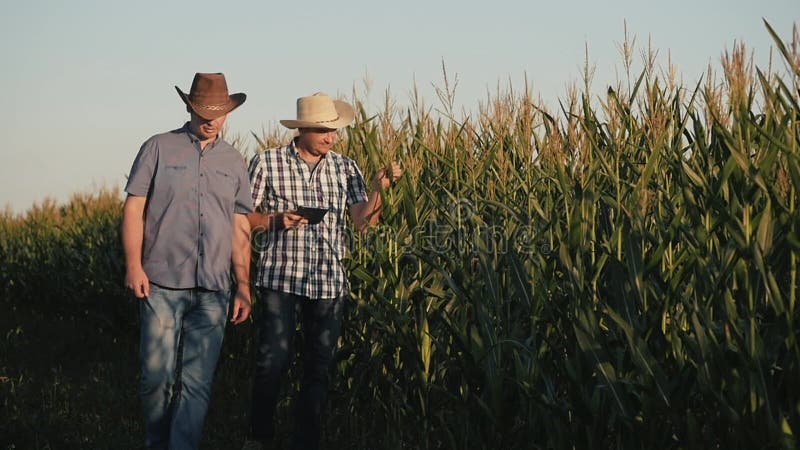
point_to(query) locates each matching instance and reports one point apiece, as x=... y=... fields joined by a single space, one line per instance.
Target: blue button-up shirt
x=192 y=195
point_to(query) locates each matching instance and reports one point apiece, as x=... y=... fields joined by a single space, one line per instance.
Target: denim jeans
x=181 y=335
x=321 y=325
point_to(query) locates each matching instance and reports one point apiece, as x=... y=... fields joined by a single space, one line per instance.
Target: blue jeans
x=321 y=326
x=181 y=335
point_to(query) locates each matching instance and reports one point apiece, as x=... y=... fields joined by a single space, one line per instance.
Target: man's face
x=316 y=141
x=206 y=129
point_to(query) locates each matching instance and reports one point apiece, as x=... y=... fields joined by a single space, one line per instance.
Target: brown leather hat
x=209 y=97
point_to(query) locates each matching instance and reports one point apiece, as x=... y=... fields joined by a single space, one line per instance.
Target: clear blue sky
x=86 y=82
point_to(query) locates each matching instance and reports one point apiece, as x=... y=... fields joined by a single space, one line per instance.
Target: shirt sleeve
x=244 y=201
x=144 y=168
x=257 y=171
x=356 y=187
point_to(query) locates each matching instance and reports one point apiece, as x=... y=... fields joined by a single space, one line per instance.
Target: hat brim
x=234 y=101
x=345 y=112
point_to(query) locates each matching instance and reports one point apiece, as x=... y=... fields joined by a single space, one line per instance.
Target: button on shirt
x=192 y=195
x=306 y=261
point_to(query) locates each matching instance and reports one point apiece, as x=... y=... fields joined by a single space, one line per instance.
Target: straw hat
x=209 y=97
x=321 y=111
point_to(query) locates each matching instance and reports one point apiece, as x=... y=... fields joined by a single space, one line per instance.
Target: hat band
x=328 y=121
x=214 y=107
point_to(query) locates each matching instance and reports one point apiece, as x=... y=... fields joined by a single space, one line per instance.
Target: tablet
x=314 y=215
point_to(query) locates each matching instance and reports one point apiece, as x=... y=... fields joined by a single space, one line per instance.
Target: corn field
x=618 y=273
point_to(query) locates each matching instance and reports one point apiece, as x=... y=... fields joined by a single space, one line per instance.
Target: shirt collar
x=194 y=139
x=292 y=150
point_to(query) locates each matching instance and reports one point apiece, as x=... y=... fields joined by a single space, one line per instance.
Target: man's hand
x=366 y=214
x=136 y=280
x=386 y=176
x=289 y=220
x=241 y=304
x=275 y=221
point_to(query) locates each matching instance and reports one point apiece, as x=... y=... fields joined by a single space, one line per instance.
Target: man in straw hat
x=184 y=225
x=300 y=270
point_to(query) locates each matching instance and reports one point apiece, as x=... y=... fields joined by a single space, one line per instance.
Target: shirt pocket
x=223 y=183
x=174 y=184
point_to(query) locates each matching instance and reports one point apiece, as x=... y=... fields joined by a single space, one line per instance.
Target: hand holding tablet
x=314 y=215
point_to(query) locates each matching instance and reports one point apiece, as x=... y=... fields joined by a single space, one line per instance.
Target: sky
x=86 y=82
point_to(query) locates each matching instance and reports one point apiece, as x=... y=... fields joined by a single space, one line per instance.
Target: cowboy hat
x=321 y=111
x=209 y=97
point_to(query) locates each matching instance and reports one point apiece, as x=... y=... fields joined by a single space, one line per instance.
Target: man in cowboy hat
x=300 y=270
x=184 y=225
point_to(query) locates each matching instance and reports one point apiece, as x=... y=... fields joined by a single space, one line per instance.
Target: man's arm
x=274 y=221
x=368 y=213
x=240 y=259
x=132 y=238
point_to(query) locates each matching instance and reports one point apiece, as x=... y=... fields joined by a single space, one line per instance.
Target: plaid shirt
x=306 y=261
